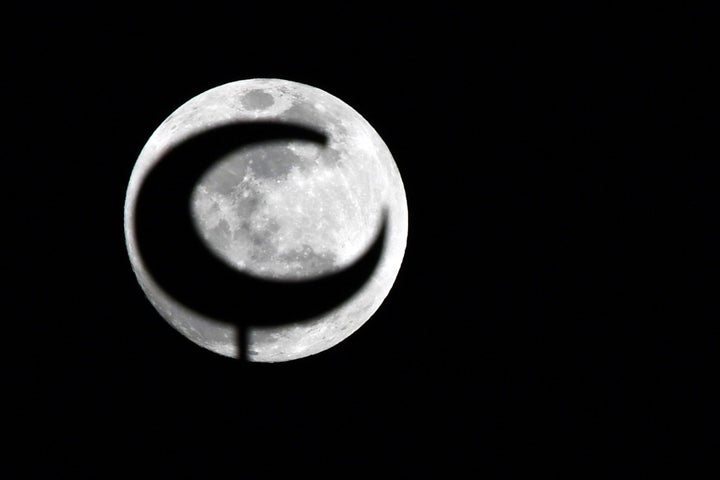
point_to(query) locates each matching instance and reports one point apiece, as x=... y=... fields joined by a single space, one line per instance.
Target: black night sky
x=556 y=312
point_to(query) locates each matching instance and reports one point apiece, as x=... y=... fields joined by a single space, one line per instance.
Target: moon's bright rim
x=355 y=154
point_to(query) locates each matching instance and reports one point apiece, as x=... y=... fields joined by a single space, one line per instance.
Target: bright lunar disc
x=286 y=210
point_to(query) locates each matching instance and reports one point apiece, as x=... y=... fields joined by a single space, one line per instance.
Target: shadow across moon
x=176 y=257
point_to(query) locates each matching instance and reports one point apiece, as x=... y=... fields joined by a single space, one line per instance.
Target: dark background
x=557 y=307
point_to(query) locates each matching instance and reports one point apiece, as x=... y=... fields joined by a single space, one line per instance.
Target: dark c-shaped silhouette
x=176 y=257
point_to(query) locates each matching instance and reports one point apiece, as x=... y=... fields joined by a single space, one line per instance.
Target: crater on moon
x=257 y=100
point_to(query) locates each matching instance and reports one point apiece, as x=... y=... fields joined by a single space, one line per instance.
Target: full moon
x=284 y=210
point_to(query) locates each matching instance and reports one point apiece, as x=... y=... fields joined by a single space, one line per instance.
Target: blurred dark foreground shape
x=178 y=260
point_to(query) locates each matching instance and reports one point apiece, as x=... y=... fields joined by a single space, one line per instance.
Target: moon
x=284 y=210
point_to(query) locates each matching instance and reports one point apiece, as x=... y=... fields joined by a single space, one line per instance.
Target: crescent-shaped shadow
x=177 y=258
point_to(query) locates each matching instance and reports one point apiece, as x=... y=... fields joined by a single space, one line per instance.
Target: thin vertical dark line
x=242 y=341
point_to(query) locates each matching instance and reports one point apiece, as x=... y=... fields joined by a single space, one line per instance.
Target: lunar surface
x=287 y=210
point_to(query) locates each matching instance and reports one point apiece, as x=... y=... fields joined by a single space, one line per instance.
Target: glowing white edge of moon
x=212 y=108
